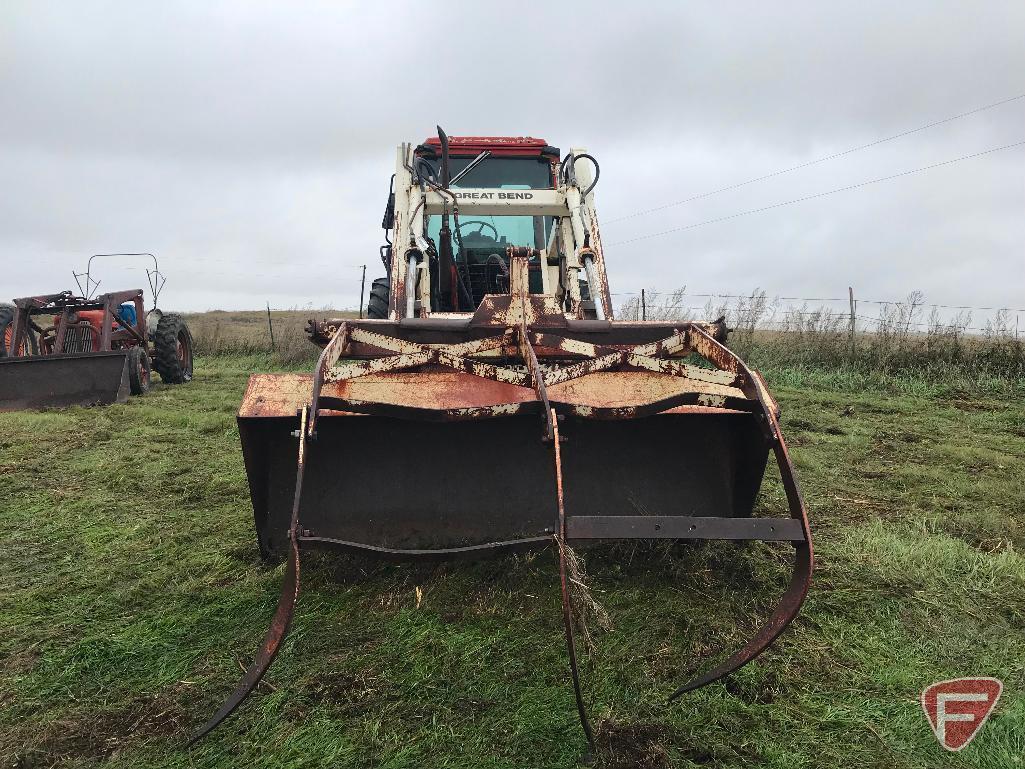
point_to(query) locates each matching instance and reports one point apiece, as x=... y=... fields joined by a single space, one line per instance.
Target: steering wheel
x=480 y=228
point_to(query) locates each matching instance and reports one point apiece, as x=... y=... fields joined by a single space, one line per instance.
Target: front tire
x=138 y=370
x=29 y=347
x=172 y=344
x=377 y=307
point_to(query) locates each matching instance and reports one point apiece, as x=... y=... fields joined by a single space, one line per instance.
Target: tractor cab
x=480 y=204
x=509 y=165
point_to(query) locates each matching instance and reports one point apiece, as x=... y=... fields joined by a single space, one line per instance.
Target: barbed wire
x=893 y=302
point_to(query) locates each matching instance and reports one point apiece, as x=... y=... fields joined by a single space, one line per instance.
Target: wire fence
x=909 y=336
x=780 y=312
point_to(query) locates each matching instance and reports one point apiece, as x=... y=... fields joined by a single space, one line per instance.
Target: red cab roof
x=499 y=145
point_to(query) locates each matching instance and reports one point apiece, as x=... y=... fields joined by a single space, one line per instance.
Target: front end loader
x=492 y=403
x=70 y=349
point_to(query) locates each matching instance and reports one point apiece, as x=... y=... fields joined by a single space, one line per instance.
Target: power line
x=815 y=162
x=817 y=195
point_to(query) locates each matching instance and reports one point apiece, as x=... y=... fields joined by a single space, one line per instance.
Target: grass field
x=131 y=593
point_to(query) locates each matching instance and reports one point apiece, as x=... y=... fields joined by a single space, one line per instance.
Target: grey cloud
x=250 y=145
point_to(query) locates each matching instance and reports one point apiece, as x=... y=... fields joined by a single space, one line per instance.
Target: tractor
x=69 y=349
x=492 y=403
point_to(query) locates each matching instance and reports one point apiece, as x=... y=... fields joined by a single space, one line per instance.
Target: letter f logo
x=958 y=708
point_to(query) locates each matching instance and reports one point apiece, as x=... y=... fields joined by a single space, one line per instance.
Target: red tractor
x=66 y=349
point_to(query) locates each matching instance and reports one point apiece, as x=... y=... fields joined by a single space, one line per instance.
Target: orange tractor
x=66 y=350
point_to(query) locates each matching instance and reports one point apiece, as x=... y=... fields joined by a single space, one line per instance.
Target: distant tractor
x=66 y=349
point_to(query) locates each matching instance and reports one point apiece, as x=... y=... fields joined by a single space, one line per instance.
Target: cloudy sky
x=249 y=144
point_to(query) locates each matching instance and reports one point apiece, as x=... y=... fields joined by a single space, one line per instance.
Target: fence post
x=850 y=294
x=362 y=286
x=644 y=307
x=270 y=327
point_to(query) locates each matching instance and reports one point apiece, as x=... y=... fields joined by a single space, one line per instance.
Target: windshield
x=499 y=231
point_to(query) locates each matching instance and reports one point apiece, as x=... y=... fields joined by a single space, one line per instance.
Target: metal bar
x=450 y=356
x=485 y=370
x=376 y=408
x=673 y=344
x=592 y=284
x=62 y=331
x=567 y=609
x=488 y=548
x=384 y=341
x=355 y=369
x=576 y=370
x=282 y=614
x=530 y=358
x=498 y=202
x=19 y=331
x=411 y=263
x=107 y=323
x=804 y=557
x=696 y=398
x=678 y=368
x=328 y=358
x=682 y=527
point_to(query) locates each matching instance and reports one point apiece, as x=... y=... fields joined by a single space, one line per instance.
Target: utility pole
x=644 y=307
x=362 y=287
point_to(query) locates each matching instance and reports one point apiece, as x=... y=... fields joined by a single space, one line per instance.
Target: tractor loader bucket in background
x=55 y=381
x=518 y=428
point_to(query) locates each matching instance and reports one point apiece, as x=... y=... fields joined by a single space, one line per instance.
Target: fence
x=898 y=336
x=771 y=311
x=909 y=335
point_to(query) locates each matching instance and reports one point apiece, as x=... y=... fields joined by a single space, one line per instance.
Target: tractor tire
x=585 y=290
x=377 y=307
x=31 y=346
x=172 y=344
x=139 y=371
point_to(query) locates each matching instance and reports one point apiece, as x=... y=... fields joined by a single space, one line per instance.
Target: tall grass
x=899 y=342
x=248 y=333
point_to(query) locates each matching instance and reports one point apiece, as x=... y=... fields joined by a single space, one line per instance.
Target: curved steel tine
x=567 y=612
x=286 y=603
x=268 y=649
x=795 y=593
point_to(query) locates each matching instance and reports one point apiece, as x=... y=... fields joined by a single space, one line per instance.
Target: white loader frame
x=574 y=246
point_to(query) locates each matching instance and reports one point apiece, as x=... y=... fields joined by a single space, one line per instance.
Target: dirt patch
x=631 y=746
x=103 y=735
x=967 y=405
x=350 y=693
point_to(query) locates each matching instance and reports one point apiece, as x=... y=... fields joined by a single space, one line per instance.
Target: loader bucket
x=451 y=438
x=54 y=381
x=412 y=488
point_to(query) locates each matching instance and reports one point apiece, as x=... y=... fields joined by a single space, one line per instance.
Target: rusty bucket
x=55 y=381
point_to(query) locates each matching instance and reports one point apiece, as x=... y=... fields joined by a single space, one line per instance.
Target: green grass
x=131 y=590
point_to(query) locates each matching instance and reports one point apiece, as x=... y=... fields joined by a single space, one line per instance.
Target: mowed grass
x=132 y=593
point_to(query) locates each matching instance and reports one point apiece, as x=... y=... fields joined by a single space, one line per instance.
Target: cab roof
x=501 y=146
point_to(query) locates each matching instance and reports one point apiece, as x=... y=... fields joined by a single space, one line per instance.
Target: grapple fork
x=656 y=447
